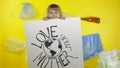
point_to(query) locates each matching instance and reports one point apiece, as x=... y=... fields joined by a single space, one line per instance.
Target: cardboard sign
x=54 y=43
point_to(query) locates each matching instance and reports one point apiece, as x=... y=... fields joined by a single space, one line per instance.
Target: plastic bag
x=109 y=59
x=91 y=45
x=27 y=11
x=13 y=45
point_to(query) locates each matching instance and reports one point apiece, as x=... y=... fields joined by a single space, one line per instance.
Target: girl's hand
x=45 y=19
x=63 y=17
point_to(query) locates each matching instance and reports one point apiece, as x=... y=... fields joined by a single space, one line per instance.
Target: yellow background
x=11 y=26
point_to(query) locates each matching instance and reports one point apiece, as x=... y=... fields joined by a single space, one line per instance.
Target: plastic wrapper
x=13 y=45
x=92 y=45
x=27 y=11
x=109 y=59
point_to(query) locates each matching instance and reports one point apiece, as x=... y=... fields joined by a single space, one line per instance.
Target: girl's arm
x=91 y=19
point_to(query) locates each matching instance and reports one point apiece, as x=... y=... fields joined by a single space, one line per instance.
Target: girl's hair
x=57 y=8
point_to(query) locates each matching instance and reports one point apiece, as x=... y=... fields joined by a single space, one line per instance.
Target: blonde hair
x=57 y=8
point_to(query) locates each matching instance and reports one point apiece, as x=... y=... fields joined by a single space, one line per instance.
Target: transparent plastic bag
x=13 y=45
x=27 y=11
x=109 y=59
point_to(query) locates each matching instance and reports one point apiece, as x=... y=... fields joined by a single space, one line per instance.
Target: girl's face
x=53 y=14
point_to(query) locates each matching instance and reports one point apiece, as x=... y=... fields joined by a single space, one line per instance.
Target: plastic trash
x=13 y=45
x=27 y=11
x=109 y=59
x=92 y=45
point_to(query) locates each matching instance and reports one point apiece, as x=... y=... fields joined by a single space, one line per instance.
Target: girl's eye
x=56 y=12
x=51 y=13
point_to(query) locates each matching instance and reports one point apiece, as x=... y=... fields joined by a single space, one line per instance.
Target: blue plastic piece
x=91 y=45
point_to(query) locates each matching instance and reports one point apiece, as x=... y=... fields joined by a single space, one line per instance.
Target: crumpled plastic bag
x=109 y=59
x=13 y=45
x=27 y=11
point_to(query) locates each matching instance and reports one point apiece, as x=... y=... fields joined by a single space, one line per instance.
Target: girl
x=54 y=12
